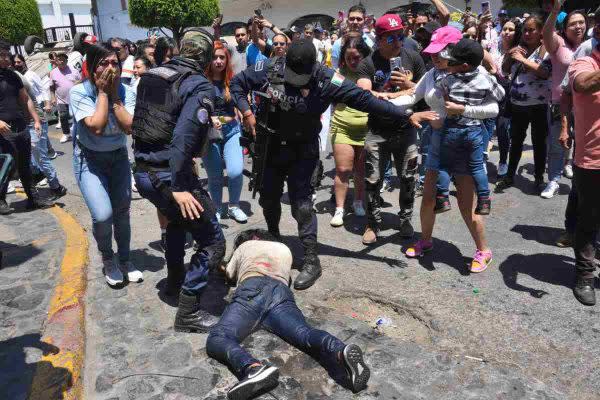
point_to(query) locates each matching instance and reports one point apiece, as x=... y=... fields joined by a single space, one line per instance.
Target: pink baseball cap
x=388 y=23
x=441 y=38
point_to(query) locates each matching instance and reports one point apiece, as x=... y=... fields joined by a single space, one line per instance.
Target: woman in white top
x=427 y=89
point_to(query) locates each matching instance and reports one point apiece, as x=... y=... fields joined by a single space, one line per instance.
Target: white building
x=56 y=12
x=111 y=18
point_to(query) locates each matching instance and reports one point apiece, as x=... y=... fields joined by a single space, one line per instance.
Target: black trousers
x=521 y=117
x=294 y=164
x=588 y=219
x=18 y=145
x=63 y=116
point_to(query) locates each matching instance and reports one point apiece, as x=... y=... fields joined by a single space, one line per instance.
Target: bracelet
x=117 y=105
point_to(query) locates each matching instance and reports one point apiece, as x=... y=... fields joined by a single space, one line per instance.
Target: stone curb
x=65 y=324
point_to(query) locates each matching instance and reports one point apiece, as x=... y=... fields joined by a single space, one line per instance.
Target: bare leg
x=466 y=201
x=428 y=205
x=344 y=160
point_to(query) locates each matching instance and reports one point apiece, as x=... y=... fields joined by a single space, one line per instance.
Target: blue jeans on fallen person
x=104 y=179
x=461 y=153
x=264 y=302
x=40 y=161
x=229 y=150
x=206 y=233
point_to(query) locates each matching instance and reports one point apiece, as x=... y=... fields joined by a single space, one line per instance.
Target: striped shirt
x=470 y=89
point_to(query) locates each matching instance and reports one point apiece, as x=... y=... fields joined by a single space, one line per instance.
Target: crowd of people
x=425 y=91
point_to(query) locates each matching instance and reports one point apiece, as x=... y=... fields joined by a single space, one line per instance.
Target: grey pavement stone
x=32 y=244
x=535 y=340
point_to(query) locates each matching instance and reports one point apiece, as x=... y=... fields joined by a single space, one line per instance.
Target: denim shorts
x=432 y=162
x=461 y=149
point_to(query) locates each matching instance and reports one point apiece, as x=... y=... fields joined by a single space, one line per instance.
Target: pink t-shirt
x=63 y=81
x=561 y=59
x=586 y=108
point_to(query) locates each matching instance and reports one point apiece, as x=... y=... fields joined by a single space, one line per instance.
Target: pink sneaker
x=481 y=261
x=419 y=248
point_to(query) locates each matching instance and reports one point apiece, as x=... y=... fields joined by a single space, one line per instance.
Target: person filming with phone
x=386 y=73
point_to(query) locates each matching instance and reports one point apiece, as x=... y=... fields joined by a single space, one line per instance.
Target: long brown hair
x=227 y=73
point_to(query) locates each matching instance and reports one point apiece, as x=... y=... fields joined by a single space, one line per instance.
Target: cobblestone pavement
x=32 y=246
x=513 y=332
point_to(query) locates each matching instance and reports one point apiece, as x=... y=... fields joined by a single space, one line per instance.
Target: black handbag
x=506 y=109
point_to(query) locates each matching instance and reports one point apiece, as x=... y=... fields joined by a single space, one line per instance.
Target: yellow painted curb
x=59 y=376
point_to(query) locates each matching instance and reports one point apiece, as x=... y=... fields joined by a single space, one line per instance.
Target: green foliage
x=175 y=15
x=19 y=19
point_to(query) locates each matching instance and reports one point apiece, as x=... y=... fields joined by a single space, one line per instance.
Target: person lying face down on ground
x=260 y=265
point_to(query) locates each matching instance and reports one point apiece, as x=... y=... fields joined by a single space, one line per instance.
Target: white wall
x=114 y=22
x=56 y=12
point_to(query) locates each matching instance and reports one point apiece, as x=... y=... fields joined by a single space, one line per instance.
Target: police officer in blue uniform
x=297 y=90
x=170 y=127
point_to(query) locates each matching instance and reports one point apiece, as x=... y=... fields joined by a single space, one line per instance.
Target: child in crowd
x=261 y=266
x=462 y=148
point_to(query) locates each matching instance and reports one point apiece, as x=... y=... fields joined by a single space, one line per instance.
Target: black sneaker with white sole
x=358 y=372
x=259 y=380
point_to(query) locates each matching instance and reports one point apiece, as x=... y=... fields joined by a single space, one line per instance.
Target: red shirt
x=586 y=108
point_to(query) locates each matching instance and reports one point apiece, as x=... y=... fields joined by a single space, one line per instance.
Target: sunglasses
x=240 y=34
x=393 y=38
x=106 y=63
x=357 y=19
x=282 y=44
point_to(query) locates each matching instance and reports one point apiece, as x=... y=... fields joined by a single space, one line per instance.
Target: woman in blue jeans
x=229 y=149
x=103 y=111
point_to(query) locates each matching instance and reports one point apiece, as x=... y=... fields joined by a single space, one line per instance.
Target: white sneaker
x=568 y=171
x=112 y=273
x=550 y=191
x=218 y=214
x=58 y=126
x=502 y=169
x=133 y=187
x=43 y=182
x=237 y=214
x=338 y=217
x=133 y=274
x=65 y=138
x=11 y=188
x=359 y=210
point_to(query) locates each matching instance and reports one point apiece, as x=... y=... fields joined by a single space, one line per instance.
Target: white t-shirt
x=318 y=47
x=127 y=68
x=75 y=60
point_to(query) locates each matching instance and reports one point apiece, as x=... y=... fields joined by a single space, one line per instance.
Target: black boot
x=311 y=271
x=584 y=290
x=190 y=318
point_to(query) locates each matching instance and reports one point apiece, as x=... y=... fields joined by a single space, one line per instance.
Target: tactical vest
x=158 y=106
x=289 y=117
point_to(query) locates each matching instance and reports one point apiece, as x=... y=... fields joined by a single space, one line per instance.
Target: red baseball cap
x=91 y=39
x=388 y=23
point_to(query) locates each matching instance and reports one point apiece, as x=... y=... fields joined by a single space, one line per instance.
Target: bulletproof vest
x=158 y=106
x=288 y=115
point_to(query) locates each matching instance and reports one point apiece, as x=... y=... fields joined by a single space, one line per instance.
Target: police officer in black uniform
x=170 y=126
x=299 y=90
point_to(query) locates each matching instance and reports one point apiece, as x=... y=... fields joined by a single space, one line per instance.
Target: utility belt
x=144 y=166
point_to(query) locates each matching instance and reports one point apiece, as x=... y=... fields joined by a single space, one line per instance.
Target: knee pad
x=304 y=211
x=269 y=203
x=215 y=254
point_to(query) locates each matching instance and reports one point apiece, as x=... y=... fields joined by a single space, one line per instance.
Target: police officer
x=170 y=125
x=299 y=90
